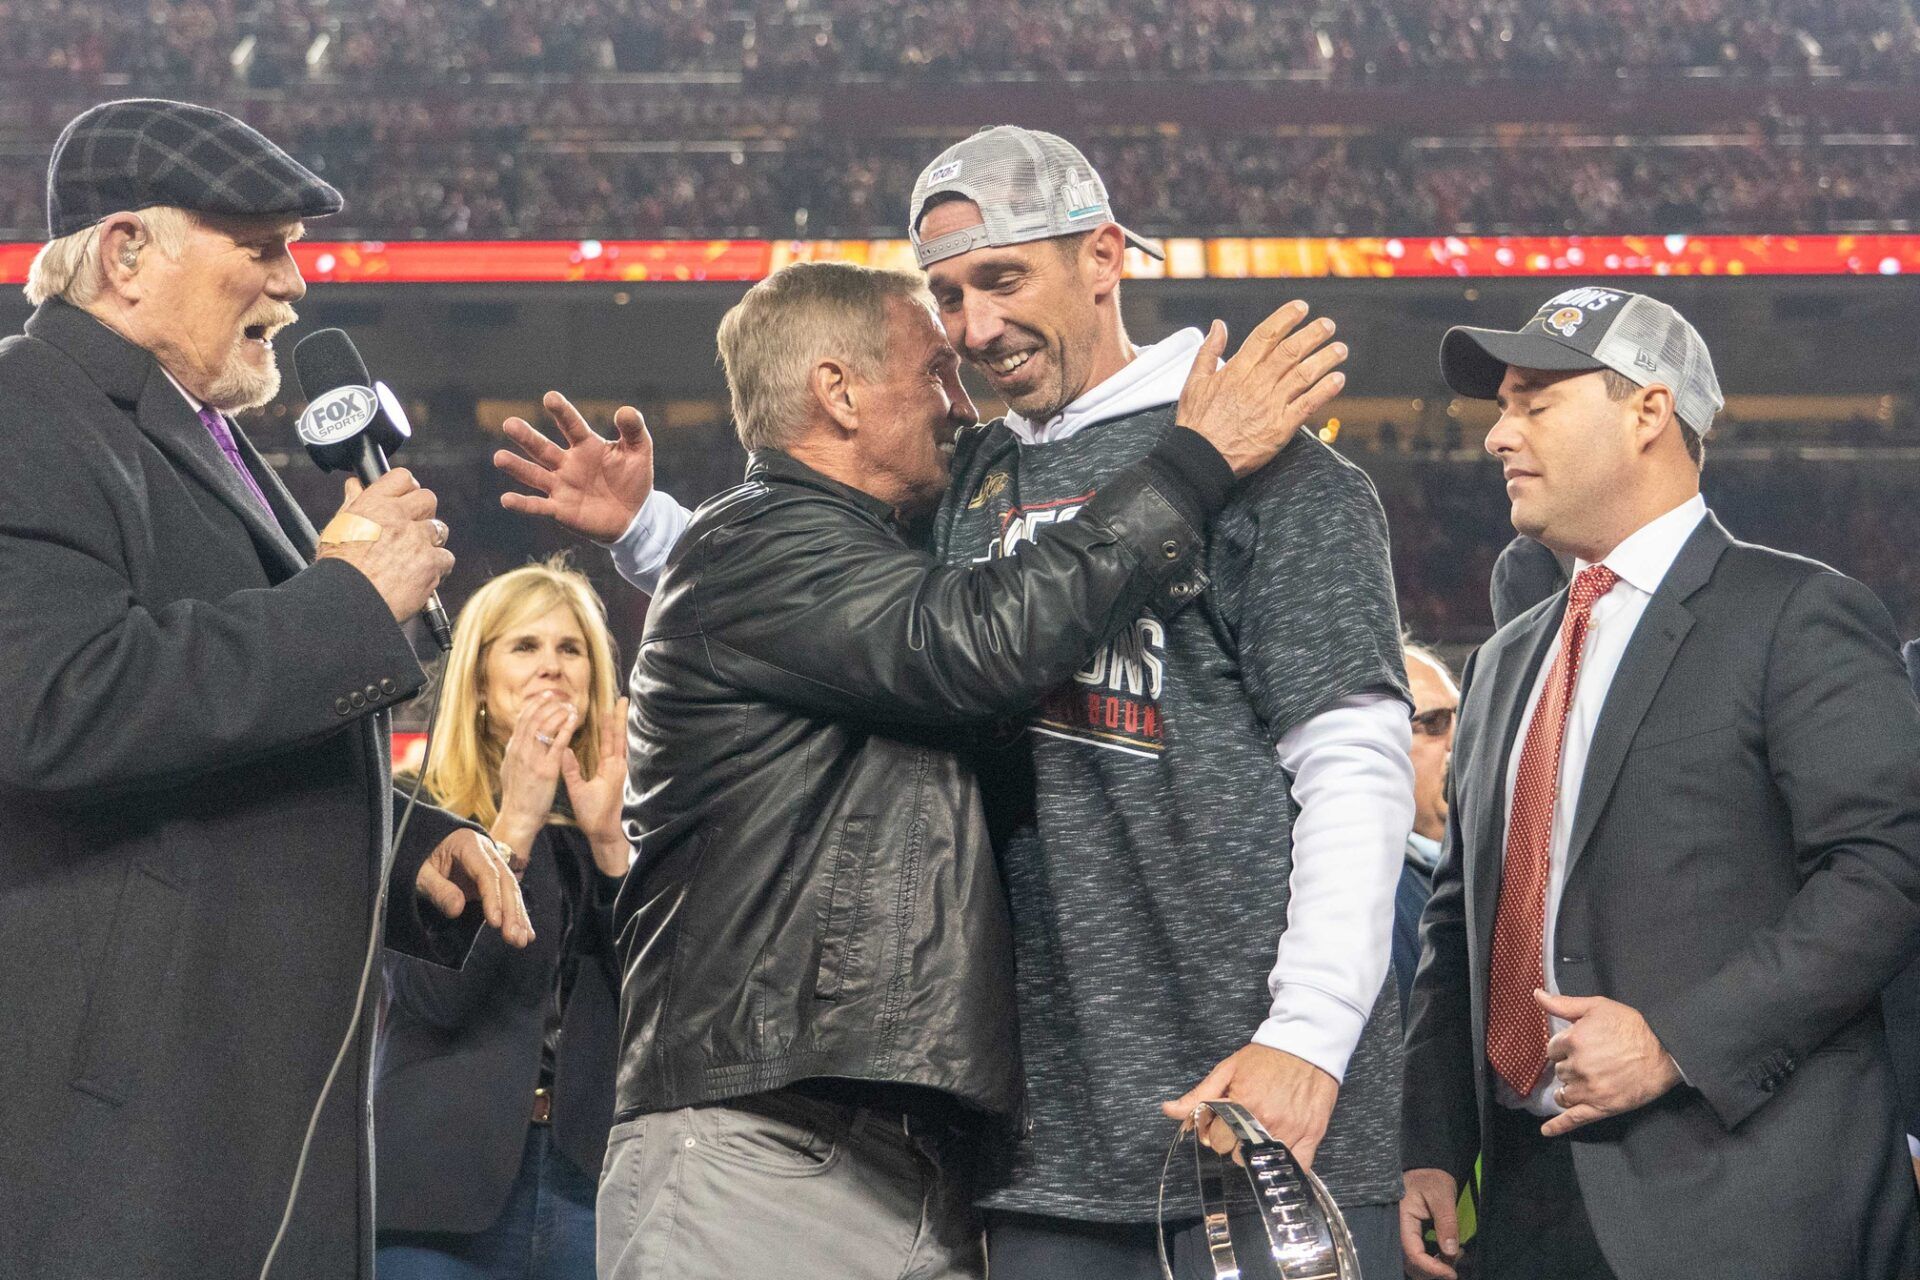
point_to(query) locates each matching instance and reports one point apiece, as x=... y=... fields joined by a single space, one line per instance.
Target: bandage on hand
x=348 y=527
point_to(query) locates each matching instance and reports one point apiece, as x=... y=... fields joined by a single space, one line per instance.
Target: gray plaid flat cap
x=140 y=152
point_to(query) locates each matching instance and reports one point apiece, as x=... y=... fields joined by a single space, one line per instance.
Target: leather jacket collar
x=772 y=464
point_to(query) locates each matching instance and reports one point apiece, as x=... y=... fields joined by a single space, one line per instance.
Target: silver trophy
x=1286 y=1220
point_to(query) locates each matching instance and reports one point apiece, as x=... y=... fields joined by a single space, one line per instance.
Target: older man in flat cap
x=195 y=802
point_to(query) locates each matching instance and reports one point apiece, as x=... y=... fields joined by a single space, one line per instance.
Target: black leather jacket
x=815 y=895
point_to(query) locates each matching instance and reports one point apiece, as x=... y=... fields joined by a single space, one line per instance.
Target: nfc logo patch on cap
x=1566 y=320
x=1566 y=312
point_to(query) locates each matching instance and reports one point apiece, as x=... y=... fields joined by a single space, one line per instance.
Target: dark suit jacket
x=1745 y=871
x=460 y=1053
x=194 y=803
x=1900 y=1003
x=1409 y=901
x=1525 y=574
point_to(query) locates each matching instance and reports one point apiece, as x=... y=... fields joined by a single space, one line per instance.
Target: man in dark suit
x=1900 y=1003
x=194 y=790
x=1527 y=573
x=1683 y=858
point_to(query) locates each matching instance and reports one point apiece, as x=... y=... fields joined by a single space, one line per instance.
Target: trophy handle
x=1305 y=1230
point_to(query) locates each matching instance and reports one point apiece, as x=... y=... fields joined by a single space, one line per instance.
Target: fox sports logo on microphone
x=337 y=414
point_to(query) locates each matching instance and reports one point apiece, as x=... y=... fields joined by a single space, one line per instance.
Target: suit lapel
x=292 y=522
x=1643 y=668
x=167 y=419
x=1516 y=667
x=134 y=379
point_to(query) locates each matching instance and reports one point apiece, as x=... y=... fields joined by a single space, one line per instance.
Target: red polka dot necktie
x=1516 y=1025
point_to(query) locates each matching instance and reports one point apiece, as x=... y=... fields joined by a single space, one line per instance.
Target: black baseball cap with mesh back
x=1028 y=185
x=140 y=152
x=1640 y=338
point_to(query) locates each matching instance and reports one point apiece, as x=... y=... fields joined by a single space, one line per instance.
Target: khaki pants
x=781 y=1187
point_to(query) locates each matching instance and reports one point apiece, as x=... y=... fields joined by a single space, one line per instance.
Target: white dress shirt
x=640 y=554
x=1642 y=561
x=193 y=402
x=1351 y=765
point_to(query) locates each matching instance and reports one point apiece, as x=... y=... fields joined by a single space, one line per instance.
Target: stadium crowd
x=496 y=181
x=371 y=41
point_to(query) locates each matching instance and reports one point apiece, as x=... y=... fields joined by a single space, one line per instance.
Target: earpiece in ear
x=129 y=256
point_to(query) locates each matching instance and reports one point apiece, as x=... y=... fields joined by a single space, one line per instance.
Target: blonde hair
x=68 y=267
x=463 y=769
x=802 y=314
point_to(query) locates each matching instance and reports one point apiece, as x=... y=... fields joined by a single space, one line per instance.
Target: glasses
x=1436 y=723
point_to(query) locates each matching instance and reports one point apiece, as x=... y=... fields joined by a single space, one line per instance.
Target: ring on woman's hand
x=543 y=739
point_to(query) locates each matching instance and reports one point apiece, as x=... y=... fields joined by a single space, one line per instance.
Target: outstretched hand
x=1250 y=407
x=591 y=485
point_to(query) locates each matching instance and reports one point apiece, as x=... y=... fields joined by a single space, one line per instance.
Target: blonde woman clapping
x=532 y=745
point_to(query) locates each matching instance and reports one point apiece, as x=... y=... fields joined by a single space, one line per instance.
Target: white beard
x=240 y=386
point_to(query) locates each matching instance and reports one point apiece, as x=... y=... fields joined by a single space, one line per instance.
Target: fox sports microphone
x=351 y=423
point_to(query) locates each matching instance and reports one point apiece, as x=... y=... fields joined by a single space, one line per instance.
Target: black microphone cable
x=376 y=930
x=350 y=423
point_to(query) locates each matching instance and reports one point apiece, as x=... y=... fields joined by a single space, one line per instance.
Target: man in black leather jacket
x=818 y=993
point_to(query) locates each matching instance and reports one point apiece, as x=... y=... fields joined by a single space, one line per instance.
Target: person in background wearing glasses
x=493 y=1090
x=1435 y=699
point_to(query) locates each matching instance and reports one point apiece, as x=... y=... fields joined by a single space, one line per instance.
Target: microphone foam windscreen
x=328 y=359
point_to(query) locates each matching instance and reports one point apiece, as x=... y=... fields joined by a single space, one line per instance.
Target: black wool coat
x=194 y=804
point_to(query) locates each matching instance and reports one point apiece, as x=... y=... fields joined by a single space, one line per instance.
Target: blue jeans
x=545 y=1232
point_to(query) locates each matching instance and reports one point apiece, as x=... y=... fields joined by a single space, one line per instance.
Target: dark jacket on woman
x=460 y=1051
x=815 y=894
